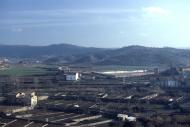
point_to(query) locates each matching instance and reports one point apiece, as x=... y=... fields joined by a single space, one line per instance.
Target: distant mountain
x=138 y=56
x=23 y=51
x=131 y=55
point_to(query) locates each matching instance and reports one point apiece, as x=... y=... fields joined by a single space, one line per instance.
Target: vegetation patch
x=23 y=70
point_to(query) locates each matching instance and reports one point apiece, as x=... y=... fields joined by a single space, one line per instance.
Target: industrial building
x=72 y=76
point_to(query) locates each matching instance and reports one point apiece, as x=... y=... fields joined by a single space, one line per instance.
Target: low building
x=25 y=99
x=72 y=76
x=170 y=83
x=125 y=117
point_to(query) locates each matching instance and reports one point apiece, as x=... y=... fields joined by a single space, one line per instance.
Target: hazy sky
x=98 y=23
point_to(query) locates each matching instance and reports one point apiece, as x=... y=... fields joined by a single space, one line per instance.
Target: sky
x=96 y=23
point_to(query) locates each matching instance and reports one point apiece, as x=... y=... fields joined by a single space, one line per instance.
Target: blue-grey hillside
x=25 y=51
x=131 y=55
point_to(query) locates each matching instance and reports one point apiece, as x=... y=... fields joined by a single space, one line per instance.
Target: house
x=125 y=117
x=72 y=76
x=63 y=75
x=21 y=98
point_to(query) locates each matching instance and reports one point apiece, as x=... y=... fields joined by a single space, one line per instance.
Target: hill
x=130 y=56
x=139 y=56
x=24 y=51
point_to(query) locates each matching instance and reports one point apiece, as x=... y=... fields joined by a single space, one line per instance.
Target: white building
x=29 y=99
x=72 y=76
x=125 y=117
x=34 y=100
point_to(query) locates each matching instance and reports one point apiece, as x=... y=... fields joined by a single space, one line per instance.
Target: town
x=94 y=63
x=74 y=96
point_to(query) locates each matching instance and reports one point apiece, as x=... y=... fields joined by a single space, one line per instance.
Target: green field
x=19 y=70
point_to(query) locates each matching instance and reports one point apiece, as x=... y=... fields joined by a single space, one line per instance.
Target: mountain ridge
x=133 y=55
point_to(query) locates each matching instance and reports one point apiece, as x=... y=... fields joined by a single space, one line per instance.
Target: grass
x=19 y=70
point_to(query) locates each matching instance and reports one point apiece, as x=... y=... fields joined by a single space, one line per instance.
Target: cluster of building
x=67 y=75
x=100 y=99
x=4 y=63
x=173 y=77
